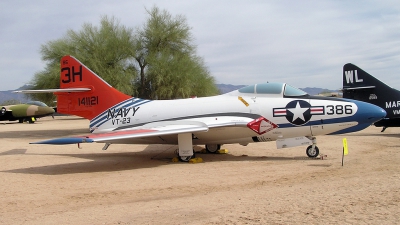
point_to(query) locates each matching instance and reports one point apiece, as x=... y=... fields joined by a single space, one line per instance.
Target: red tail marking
x=85 y=104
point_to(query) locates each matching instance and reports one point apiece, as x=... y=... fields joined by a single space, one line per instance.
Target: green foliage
x=156 y=61
x=107 y=50
x=47 y=79
x=167 y=61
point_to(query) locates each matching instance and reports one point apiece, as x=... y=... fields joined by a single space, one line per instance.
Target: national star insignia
x=298 y=112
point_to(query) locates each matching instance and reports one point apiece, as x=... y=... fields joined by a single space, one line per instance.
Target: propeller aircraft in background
x=256 y=113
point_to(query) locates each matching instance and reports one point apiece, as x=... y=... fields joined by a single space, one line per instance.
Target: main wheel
x=186 y=158
x=312 y=153
x=213 y=148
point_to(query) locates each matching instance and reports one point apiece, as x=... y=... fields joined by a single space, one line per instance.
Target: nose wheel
x=312 y=151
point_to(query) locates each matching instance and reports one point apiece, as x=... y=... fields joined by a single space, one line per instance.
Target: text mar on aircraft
x=29 y=112
x=359 y=85
x=257 y=113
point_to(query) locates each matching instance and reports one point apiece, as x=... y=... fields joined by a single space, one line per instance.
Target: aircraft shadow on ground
x=380 y=134
x=38 y=120
x=17 y=151
x=44 y=134
x=58 y=116
x=109 y=162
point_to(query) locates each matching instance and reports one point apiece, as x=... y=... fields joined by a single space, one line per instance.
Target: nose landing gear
x=312 y=151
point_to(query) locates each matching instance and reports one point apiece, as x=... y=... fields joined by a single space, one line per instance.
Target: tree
x=107 y=50
x=156 y=61
x=166 y=60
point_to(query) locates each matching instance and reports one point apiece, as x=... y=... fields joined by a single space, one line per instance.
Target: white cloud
x=304 y=43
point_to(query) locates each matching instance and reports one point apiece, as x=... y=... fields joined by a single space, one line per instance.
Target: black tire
x=312 y=153
x=213 y=148
x=186 y=158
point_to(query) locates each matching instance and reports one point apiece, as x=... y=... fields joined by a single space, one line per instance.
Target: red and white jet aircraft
x=257 y=113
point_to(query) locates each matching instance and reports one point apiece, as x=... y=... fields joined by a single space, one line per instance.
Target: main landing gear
x=213 y=148
x=185 y=148
x=312 y=151
x=185 y=145
x=186 y=158
x=29 y=120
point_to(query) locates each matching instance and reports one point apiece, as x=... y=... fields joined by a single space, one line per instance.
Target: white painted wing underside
x=150 y=130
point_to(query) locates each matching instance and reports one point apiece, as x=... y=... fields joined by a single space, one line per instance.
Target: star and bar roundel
x=298 y=112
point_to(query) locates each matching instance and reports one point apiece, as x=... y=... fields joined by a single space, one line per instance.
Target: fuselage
x=291 y=114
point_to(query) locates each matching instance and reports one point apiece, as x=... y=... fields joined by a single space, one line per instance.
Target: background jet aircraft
x=256 y=113
x=25 y=112
x=359 y=85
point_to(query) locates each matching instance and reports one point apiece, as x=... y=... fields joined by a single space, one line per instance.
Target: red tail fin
x=87 y=104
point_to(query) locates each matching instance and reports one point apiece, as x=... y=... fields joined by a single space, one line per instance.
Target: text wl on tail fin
x=356 y=78
x=88 y=103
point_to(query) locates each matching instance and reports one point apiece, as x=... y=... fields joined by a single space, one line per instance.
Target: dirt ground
x=139 y=184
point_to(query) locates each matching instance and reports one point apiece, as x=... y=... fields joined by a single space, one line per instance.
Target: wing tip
x=65 y=141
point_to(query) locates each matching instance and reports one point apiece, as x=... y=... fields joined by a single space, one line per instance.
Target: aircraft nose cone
x=45 y=110
x=369 y=113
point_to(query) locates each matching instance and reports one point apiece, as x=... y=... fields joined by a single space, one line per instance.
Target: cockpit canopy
x=37 y=103
x=272 y=89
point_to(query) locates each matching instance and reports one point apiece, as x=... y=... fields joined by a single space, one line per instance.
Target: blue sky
x=303 y=43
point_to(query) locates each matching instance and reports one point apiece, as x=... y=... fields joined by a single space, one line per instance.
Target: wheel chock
x=196 y=160
x=175 y=159
x=223 y=151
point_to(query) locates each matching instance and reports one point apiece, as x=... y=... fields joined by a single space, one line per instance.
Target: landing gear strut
x=185 y=145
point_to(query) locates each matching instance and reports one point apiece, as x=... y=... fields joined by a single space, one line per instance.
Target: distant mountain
x=225 y=88
x=10 y=95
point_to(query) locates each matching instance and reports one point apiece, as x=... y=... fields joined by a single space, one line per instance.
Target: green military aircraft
x=28 y=112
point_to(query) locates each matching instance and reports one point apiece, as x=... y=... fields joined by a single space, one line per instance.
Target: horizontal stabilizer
x=54 y=90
